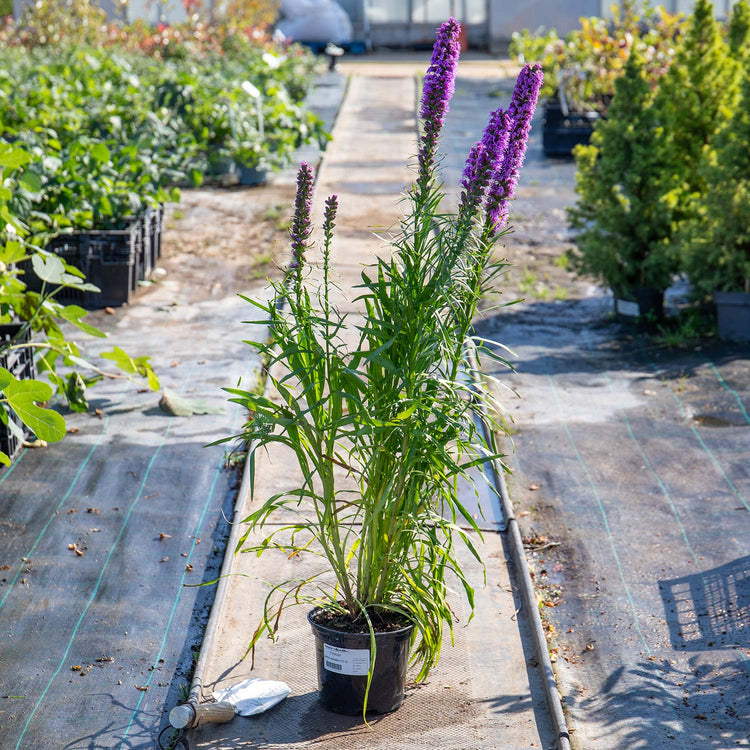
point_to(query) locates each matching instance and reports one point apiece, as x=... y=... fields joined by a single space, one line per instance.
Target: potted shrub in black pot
x=624 y=212
x=568 y=123
x=383 y=429
x=718 y=238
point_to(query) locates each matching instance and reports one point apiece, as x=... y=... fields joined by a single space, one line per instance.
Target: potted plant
x=383 y=430
x=717 y=240
x=624 y=212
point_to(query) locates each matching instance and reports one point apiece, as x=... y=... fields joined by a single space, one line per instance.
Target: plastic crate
x=72 y=250
x=114 y=258
x=20 y=363
x=110 y=259
x=150 y=220
x=157 y=225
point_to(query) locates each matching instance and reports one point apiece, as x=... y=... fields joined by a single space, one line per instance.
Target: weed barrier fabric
x=650 y=508
x=102 y=532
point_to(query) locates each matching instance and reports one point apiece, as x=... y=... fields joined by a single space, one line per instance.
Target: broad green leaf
x=122 y=360
x=100 y=152
x=48 y=267
x=11 y=252
x=6 y=378
x=74 y=314
x=46 y=424
x=73 y=271
x=13 y=157
x=30 y=181
x=14 y=221
x=4 y=459
x=36 y=389
x=153 y=380
x=74 y=282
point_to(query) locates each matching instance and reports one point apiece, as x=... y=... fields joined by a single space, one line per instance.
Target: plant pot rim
x=325 y=629
x=732 y=298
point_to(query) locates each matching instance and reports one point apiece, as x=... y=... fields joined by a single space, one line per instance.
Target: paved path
x=484 y=692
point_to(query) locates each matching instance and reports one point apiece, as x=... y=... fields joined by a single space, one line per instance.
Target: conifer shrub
x=626 y=193
x=739 y=29
x=694 y=97
x=717 y=239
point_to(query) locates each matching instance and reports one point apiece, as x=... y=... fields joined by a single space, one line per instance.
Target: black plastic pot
x=109 y=259
x=251 y=175
x=733 y=315
x=343 y=662
x=562 y=133
x=642 y=302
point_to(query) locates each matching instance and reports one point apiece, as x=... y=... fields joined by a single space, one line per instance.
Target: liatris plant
x=396 y=412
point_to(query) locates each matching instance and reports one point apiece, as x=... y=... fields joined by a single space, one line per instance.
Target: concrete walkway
x=485 y=692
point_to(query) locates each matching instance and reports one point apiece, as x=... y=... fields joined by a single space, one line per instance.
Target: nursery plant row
x=111 y=131
x=92 y=142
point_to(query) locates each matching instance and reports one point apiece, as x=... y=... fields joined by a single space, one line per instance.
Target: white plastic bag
x=253 y=696
x=315 y=21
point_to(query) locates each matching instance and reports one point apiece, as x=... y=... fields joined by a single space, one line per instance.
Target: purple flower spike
x=329 y=214
x=484 y=159
x=439 y=85
x=520 y=112
x=301 y=227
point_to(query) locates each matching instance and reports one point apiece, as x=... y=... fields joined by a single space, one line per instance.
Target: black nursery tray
x=20 y=364
x=113 y=260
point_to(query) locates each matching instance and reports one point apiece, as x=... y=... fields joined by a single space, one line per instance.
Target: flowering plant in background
x=581 y=68
x=383 y=428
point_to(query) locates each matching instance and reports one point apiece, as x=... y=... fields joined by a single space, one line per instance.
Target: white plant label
x=627 y=308
x=352 y=661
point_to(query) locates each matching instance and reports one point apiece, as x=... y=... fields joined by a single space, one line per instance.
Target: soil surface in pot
x=382 y=622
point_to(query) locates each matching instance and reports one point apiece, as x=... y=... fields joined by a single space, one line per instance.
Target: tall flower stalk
x=483 y=162
x=505 y=179
x=301 y=229
x=438 y=88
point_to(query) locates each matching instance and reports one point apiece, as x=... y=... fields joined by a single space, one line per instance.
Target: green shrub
x=625 y=197
x=695 y=96
x=738 y=34
x=717 y=239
